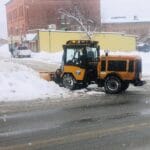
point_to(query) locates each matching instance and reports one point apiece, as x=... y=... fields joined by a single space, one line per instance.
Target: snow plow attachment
x=49 y=76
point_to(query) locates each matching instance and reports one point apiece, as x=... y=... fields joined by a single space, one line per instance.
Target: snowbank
x=146 y=63
x=4 y=52
x=19 y=83
x=52 y=58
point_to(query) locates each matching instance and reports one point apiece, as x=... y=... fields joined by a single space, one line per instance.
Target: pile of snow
x=4 y=52
x=146 y=63
x=19 y=83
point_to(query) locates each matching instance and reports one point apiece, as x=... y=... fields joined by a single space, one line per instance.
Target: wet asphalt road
x=96 y=122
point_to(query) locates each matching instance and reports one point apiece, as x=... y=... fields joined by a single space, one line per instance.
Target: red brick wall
x=15 y=17
x=40 y=13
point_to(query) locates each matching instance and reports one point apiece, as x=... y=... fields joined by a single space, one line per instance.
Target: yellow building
x=52 y=41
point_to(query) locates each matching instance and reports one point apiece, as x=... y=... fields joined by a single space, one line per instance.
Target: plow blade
x=49 y=76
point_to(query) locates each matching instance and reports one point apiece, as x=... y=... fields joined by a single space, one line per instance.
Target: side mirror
x=98 y=50
x=64 y=47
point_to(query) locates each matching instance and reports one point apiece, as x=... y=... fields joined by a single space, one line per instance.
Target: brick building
x=26 y=15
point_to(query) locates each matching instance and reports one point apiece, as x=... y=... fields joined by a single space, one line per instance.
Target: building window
x=62 y=18
x=21 y=11
x=15 y=14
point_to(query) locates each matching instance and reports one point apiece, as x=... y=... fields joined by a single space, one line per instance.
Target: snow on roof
x=31 y=36
x=62 y=31
x=116 y=11
x=125 y=20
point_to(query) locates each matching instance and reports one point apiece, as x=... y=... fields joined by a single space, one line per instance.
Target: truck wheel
x=84 y=85
x=125 y=85
x=69 y=82
x=112 y=85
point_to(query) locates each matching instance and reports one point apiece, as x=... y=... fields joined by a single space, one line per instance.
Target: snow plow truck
x=83 y=65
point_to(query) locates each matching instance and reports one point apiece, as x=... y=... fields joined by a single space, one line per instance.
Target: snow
x=30 y=37
x=19 y=83
x=52 y=58
x=4 y=52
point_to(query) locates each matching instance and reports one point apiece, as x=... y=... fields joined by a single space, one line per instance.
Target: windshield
x=75 y=55
x=92 y=53
x=22 y=48
x=82 y=55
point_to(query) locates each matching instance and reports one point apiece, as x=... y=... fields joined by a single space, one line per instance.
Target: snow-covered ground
x=20 y=83
x=54 y=58
x=4 y=52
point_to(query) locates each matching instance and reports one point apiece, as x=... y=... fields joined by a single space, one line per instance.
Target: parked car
x=21 y=52
x=143 y=47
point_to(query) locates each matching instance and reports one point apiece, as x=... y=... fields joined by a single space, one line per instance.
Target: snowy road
x=37 y=65
x=85 y=123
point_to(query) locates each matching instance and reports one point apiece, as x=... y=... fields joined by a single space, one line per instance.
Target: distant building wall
x=52 y=41
x=141 y=29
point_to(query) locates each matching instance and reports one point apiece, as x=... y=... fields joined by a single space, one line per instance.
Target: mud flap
x=139 y=83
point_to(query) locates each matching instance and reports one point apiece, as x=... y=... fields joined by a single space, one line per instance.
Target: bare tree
x=89 y=26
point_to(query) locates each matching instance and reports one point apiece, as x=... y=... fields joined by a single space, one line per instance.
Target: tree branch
x=77 y=16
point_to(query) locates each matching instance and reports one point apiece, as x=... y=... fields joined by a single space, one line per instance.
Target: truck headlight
x=78 y=72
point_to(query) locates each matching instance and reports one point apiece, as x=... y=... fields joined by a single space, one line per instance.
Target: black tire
x=112 y=85
x=69 y=82
x=84 y=85
x=125 y=86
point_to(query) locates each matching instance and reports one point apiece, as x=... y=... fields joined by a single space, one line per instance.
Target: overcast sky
x=111 y=10
x=3 y=24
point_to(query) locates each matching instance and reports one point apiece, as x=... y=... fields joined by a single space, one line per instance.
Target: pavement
x=87 y=122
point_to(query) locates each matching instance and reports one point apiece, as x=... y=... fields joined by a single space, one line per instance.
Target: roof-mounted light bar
x=84 y=42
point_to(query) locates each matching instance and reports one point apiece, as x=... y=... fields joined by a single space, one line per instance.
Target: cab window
x=117 y=65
